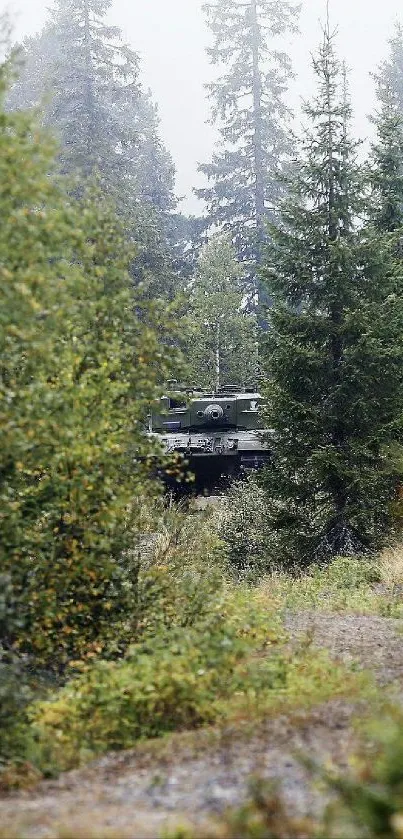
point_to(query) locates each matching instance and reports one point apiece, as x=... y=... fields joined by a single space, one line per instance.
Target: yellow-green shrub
x=231 y=664
x=81 y=362
x=170 y=681
x=369 y=803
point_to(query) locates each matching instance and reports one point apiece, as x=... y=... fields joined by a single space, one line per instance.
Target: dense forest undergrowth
x=287 y=664
x=154 y=658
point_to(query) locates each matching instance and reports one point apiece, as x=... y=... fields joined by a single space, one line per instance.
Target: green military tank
x=219 y=436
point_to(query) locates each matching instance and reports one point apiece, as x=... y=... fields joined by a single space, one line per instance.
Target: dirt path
x=197 y=776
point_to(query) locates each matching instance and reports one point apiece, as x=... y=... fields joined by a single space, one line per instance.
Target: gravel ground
x=375 y=643
x=135 y=795
x=140 y=800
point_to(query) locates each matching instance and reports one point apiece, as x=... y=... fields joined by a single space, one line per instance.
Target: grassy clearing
x=347 y=585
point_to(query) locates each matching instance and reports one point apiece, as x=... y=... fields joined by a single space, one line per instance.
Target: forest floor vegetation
x=226 y=681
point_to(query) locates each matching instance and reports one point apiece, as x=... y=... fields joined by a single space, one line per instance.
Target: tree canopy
x=220 y=343
x=333 y=353
x=248 y=106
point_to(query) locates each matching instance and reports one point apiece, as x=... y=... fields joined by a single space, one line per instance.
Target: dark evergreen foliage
x=386 y=175
x=334 y=352
x=387 y=163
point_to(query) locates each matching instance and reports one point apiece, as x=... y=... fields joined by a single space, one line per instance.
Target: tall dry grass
x=391 y=565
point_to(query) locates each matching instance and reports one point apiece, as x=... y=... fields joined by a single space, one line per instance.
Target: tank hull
x=213 y=459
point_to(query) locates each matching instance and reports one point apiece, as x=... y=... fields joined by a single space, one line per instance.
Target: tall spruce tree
x=389 y=78
x=386 y=176
x=249 y=109
x=334 y=353
x=87 y=81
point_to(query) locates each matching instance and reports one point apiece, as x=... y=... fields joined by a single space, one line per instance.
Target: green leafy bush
x=170 y=681
x=245 y=529
x=369 y=803
x=82 y=358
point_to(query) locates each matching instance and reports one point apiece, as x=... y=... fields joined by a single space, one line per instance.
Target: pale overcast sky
x=171 y=37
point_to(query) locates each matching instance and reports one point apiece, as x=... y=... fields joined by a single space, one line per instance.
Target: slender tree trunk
x=90 y=96
x=218 y=356
x=258 y=133
x=336 y=483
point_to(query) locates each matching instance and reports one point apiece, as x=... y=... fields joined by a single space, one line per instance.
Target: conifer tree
x=387 y=163
x=386 y=176
x=334 y=353
x=220 y=337
x=389 y=78
x=249 y=109
x=87 y=80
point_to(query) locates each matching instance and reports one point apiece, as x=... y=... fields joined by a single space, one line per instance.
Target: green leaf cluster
x=82 y=359
x=220 y=340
